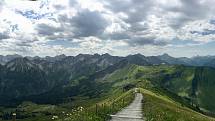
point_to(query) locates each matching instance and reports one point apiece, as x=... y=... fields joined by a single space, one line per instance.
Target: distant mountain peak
x=138 y=54
x=20 y=64
x=19 y=61
x=166 y=55
x=13 y=55
x=82 y=55
x=106 y=55
x=7 y=58
x=62 y=55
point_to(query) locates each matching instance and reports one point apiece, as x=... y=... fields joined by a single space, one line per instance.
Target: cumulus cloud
x=4 y=35
x=47 y=30
x=98 y=25
x=140 y=41
x=136 y=10
x=88 y=23
x=1 y=4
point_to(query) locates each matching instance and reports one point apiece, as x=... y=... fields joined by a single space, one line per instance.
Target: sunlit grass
x=161 y=108
x=94 y=111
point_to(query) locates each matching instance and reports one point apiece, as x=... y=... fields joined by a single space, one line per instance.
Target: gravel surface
x=133 y=112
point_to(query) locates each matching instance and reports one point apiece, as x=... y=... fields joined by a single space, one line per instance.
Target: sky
x=181 y=28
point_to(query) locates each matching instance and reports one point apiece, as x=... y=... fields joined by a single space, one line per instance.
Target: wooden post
x=105 y=107
x=96 y=109
x=110 y=107
x=14 y=116
x=113 y=105
x=86 y=111
x=102 y=106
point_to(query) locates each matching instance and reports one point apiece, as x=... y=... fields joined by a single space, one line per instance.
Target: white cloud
x=100 y=26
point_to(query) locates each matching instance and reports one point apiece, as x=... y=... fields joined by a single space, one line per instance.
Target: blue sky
x=118 y=27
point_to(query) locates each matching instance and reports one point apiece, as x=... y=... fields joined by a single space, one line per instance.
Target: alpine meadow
x=107 y=60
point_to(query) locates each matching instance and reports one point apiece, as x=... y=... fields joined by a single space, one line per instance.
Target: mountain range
x=165 y=58
x=56 y=79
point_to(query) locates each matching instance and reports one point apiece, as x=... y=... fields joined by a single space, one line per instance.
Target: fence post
x=96 y=109
x=14 y=116
x=110 y=107
x=123 y=102
x=113 y=105
x=87 y=111
x=103 y=107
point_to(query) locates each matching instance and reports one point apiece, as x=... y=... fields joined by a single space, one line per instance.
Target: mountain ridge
x=165 y=59
x=52 y=79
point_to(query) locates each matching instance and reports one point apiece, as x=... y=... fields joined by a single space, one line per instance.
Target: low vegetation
x=94 y=110
x=158 y=107
x=173 y=95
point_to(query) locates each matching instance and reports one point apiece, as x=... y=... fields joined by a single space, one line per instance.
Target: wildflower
x=54 y=117
x=14 y=114
x=80 y=108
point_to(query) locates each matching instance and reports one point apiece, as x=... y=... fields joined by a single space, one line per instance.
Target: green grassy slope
x=192 y=83
x=183 y=84
x=95 y=109
x=178 y=82
x=161 y=108
x=205 y=87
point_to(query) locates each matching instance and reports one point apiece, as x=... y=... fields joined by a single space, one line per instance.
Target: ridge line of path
x=133 y=112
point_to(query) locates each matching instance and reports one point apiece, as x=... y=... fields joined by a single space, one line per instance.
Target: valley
x=107 y=60
x=38 y=89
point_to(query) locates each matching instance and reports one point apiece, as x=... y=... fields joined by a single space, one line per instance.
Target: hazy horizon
x=103 y=54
